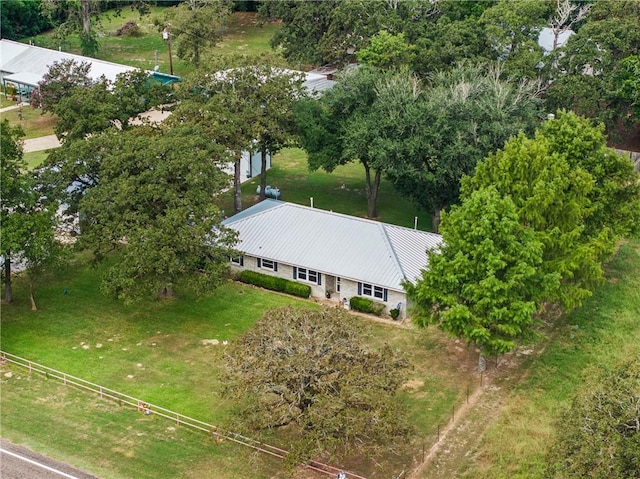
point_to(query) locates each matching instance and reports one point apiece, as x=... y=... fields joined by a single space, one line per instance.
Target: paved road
x=18 y=462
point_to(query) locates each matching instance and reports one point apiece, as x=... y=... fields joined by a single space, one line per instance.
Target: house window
x=337 y=284
x=376 y=292
x=267 y=264
x=237 y=260
x=309 y=275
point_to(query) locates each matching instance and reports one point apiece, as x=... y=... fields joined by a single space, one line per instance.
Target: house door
x=330 y=287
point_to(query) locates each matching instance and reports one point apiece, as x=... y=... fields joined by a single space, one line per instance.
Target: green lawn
x=35 y=158
x=243 y=34
x=154 y=351
x=33 y=122
x=603 y=332
x=342 y=191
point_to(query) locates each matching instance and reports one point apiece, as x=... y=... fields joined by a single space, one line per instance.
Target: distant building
x=24 y=65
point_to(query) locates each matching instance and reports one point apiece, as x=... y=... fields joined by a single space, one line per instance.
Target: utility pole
x=166 y=35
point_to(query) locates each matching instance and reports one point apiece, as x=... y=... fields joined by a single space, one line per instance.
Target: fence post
x=453 y=412
x=64 y=378
x=177 y=419
x=29 y=366
x=101 y=392
x=438 y=433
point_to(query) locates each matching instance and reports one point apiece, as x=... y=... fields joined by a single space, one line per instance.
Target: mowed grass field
x=342 y=191
x=243 y=34
x=154 y=351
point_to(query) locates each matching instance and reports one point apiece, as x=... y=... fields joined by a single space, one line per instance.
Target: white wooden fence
x=179 y=419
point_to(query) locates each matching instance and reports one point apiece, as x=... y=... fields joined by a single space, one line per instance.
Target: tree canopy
x=22 y=18
x=386 y=51
x=85 y=110
x=465 y=114
x=310 y=370
x=153 y=203
x=586 y=74
x=485 y=284
x=591 y=65
x=27 y=222
x=537 y=220
x=598 y=436
x=245 y=108
x=578 y=196
x=197 y=25
x=371 y=116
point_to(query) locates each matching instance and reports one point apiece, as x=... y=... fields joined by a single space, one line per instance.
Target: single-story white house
x=339 y=256
x=24 y=65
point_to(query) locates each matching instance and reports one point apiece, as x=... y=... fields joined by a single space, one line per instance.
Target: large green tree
x=245 y=108
x=628 y=84
x=449 y=42
x=87 y=110
x=591 y=64
x=512 y=29
x=154 y=204
x=76 y=16
x=27 y=223
x=22 y=18
x=465 y=114
x=336 y=30
x=599 y=435
x=578 y=196
x=371 y=116
x=485 y=283
x=197 y=25
x=312 y=372
x=386 y=51
x=614 y=202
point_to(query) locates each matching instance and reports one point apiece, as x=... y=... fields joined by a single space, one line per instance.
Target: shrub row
x=275 y=284
x=365 y=305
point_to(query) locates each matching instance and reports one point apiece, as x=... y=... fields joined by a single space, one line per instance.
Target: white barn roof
x=333 y=243
x=26 y=63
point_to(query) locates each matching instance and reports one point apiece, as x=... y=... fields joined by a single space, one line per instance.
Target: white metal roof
x=333 y=243
x=30 y=62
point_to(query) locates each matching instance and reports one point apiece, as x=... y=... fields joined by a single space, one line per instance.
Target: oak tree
x=591 y=64
x=245 y=108
x=312 y=372
x=466 y=113
x=27 y=220
x=371 y=116
x=154 y=205
x=197 y=25
x=598 y=436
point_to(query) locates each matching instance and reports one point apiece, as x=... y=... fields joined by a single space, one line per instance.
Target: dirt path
x=461 y=438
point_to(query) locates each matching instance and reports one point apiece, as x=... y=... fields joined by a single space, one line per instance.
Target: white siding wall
x=348 y=288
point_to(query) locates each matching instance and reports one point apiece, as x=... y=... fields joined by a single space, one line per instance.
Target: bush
x=129 y=29
x=365 y=305
x=275 y=284
x=395 y=312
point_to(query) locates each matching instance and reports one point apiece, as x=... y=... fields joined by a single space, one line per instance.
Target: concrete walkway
x=41 y=143
x=51 y=141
